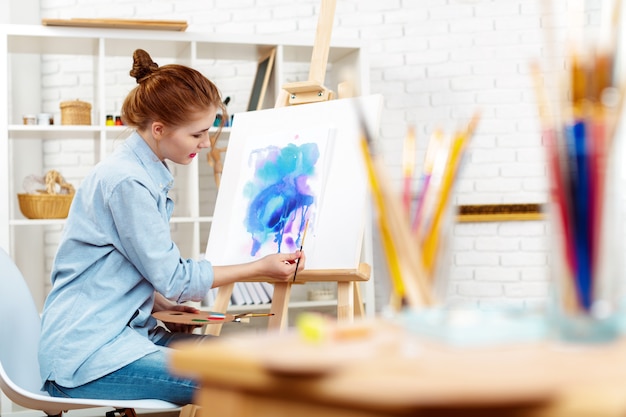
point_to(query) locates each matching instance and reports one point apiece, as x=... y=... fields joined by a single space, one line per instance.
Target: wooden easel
x=349 y=300
x=313 y=90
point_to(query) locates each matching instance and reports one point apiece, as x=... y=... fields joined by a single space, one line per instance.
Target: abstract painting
x=280 y=187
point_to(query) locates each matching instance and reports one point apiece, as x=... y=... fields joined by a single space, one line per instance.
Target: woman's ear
x=157 y=130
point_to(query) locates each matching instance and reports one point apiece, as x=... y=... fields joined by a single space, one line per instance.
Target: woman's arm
x=162 y=303
x=280 y=266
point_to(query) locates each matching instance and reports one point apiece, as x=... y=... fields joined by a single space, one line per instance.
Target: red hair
x=168 y=94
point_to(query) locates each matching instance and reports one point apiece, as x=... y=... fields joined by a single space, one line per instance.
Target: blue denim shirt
x=115 y=252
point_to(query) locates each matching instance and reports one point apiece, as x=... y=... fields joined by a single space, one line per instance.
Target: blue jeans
x=147 y=377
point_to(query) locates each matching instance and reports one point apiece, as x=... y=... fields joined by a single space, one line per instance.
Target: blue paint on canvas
x=279 y=194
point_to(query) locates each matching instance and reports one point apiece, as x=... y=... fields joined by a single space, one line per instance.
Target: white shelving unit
x=93 y=64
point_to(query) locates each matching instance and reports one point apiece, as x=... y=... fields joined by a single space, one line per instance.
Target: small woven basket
x=75 y=112
x=53 y=202
x=45 y=206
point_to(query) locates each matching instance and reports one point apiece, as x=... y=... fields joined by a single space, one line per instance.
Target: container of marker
x=586 y=224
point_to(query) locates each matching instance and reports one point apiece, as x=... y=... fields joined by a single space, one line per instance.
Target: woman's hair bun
x=143 y=66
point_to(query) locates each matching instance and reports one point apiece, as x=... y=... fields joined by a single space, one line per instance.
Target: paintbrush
x=433 y=148
x=405 y=269
x=408 y=166
x=306 y=226
x=432 y=237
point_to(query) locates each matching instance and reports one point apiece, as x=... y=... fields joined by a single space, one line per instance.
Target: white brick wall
x=435 y=62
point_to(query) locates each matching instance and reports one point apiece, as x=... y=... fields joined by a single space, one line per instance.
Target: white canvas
x=339 y=185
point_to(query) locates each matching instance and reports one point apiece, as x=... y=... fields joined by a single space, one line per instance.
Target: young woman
x=117 y=264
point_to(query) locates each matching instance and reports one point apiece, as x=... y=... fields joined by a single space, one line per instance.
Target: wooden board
x=261 y=80
x=501 y=212
x=174 y=25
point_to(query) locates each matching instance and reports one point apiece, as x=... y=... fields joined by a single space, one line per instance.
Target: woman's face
x=182 y=144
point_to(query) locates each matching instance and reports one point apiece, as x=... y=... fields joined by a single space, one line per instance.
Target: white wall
x=435 y=62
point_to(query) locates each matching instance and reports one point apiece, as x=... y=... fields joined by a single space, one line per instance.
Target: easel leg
x=345 y=301
x=280 y=306
x=345 y=89
x=283 y=99
x=221 y=305
x=359 y=310
x=321 y=47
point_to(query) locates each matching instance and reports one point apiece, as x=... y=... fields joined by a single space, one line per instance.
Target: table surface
x=376 y=365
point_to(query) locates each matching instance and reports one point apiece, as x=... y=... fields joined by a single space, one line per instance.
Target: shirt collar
x=156 y=168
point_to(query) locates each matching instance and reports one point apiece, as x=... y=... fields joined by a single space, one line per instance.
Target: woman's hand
x=161 y=303
x=182 y=328
x=281 y=266
x=278 y=266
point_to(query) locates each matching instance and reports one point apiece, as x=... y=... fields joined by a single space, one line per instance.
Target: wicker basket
x=45 y=206
x=75 y=112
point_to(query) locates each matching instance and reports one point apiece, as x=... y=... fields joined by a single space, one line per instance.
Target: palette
x=203 y=317
x=184 y=317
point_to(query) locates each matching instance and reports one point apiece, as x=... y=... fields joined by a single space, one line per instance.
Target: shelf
x=35 y=39
x=53 y=132
x=37 y=222
x=52 y=222
x=42 y=66
x=78 y=132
